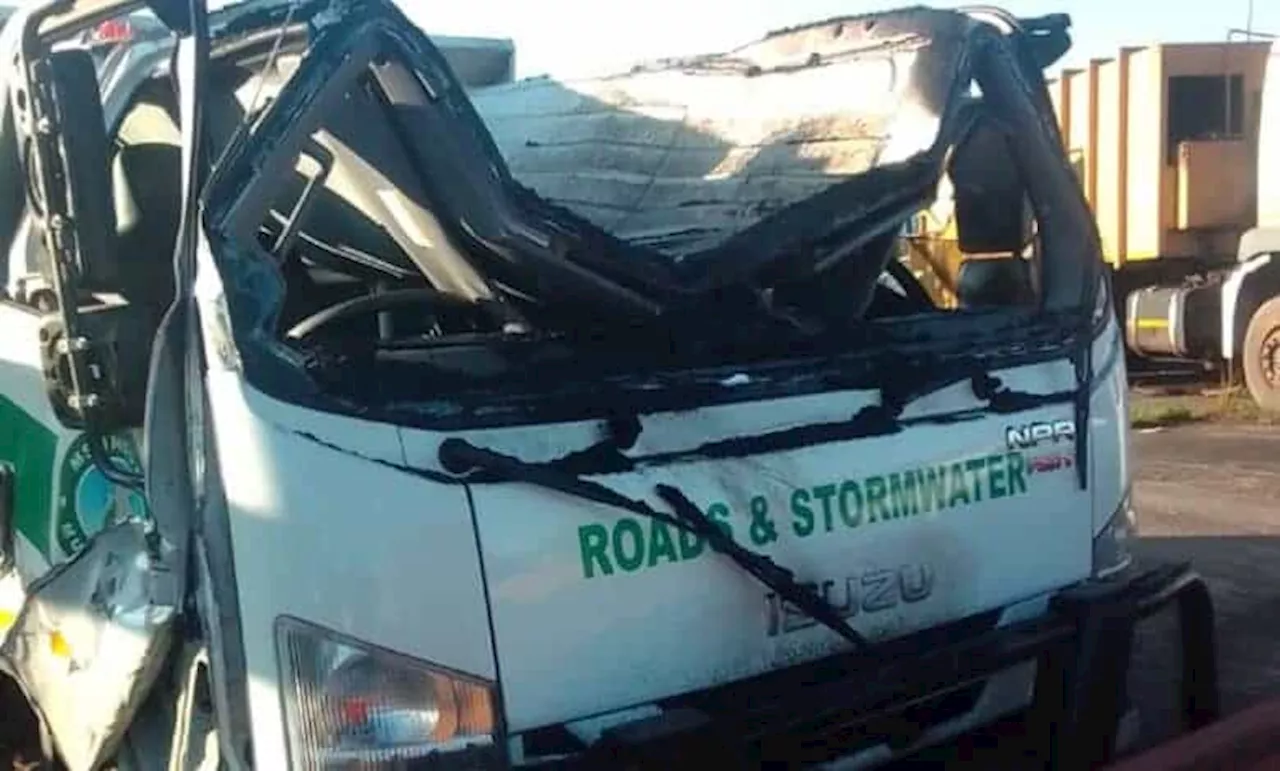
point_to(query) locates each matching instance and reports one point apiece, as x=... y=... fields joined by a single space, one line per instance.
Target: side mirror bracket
x=112 y=349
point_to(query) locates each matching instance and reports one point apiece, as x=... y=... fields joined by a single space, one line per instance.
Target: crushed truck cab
x=356 y=415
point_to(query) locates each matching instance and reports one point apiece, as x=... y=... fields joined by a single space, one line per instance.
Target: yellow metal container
x=1165 y=140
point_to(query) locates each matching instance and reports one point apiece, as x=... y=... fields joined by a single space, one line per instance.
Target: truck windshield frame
x=651 y=358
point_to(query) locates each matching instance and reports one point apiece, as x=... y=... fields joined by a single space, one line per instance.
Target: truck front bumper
x=823 y=713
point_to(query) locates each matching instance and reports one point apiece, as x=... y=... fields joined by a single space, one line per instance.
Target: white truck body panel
x=1269 y=145
x=562 y=639
x=572 y=609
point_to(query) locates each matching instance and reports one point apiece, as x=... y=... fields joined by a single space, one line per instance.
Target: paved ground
x=1210 y=494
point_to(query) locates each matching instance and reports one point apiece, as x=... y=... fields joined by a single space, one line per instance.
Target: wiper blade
x=459 y=456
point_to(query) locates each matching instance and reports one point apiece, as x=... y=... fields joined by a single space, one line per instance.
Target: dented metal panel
x=91 y=636
x=681 y=154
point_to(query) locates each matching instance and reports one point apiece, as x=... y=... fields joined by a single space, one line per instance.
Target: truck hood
x=699 y=158
x=595 y=609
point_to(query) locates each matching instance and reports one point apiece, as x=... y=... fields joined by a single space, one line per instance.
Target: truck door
x=28 y=429
x=53 y=497
x=28 y=444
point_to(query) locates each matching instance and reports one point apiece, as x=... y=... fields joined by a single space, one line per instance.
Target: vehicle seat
x=1000 y=282
x=146 y=182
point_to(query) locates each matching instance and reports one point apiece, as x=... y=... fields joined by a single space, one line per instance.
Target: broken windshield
x=766 y=203
x=685 y=177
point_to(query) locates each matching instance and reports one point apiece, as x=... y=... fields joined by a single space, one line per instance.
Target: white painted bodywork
x=681 y=627
x=488 y=579
x=1231 y=298
x=1268 y=201
x=329 y=524
x=1269 y=145
x=570 y=648
x=342 y=542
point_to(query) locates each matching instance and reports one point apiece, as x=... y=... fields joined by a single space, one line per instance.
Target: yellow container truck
x=1174 y=145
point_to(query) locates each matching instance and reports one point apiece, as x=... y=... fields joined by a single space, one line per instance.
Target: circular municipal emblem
x=87 y=501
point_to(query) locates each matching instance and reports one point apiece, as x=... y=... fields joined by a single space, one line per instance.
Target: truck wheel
x=1262 y=356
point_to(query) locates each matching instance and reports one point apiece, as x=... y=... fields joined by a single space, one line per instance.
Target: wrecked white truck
x=349 y=422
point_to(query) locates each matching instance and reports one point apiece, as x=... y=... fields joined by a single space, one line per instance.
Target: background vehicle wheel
x=1262 y=356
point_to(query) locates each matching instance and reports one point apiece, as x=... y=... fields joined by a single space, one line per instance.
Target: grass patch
x=1230 y=406
x=1155 y=412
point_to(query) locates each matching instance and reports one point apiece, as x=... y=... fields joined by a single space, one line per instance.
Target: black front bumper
x=833 y=708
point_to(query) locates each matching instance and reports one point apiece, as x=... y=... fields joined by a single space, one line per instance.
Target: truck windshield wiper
x=459 y=456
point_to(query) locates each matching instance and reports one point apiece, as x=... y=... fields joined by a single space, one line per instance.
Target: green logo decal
x=87 y=501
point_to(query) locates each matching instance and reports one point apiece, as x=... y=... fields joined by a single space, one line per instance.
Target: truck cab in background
x=1177 y=146
x=1250 y=307
x=1228 y=310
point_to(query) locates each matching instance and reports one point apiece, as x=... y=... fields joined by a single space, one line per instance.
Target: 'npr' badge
x=1032 y=435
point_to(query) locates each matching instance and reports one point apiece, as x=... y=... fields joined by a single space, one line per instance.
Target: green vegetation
x=1227 y=406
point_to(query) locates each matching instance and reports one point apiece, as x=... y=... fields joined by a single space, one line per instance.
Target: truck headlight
x=1111 y=545
x=350 y=705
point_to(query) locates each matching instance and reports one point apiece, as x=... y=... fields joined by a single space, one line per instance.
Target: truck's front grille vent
x=783 y=716
x=846 y=734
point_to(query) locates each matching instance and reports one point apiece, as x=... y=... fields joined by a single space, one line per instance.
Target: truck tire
x=1262 y=356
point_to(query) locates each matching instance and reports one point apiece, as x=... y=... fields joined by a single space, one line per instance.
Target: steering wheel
x=366 y=305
